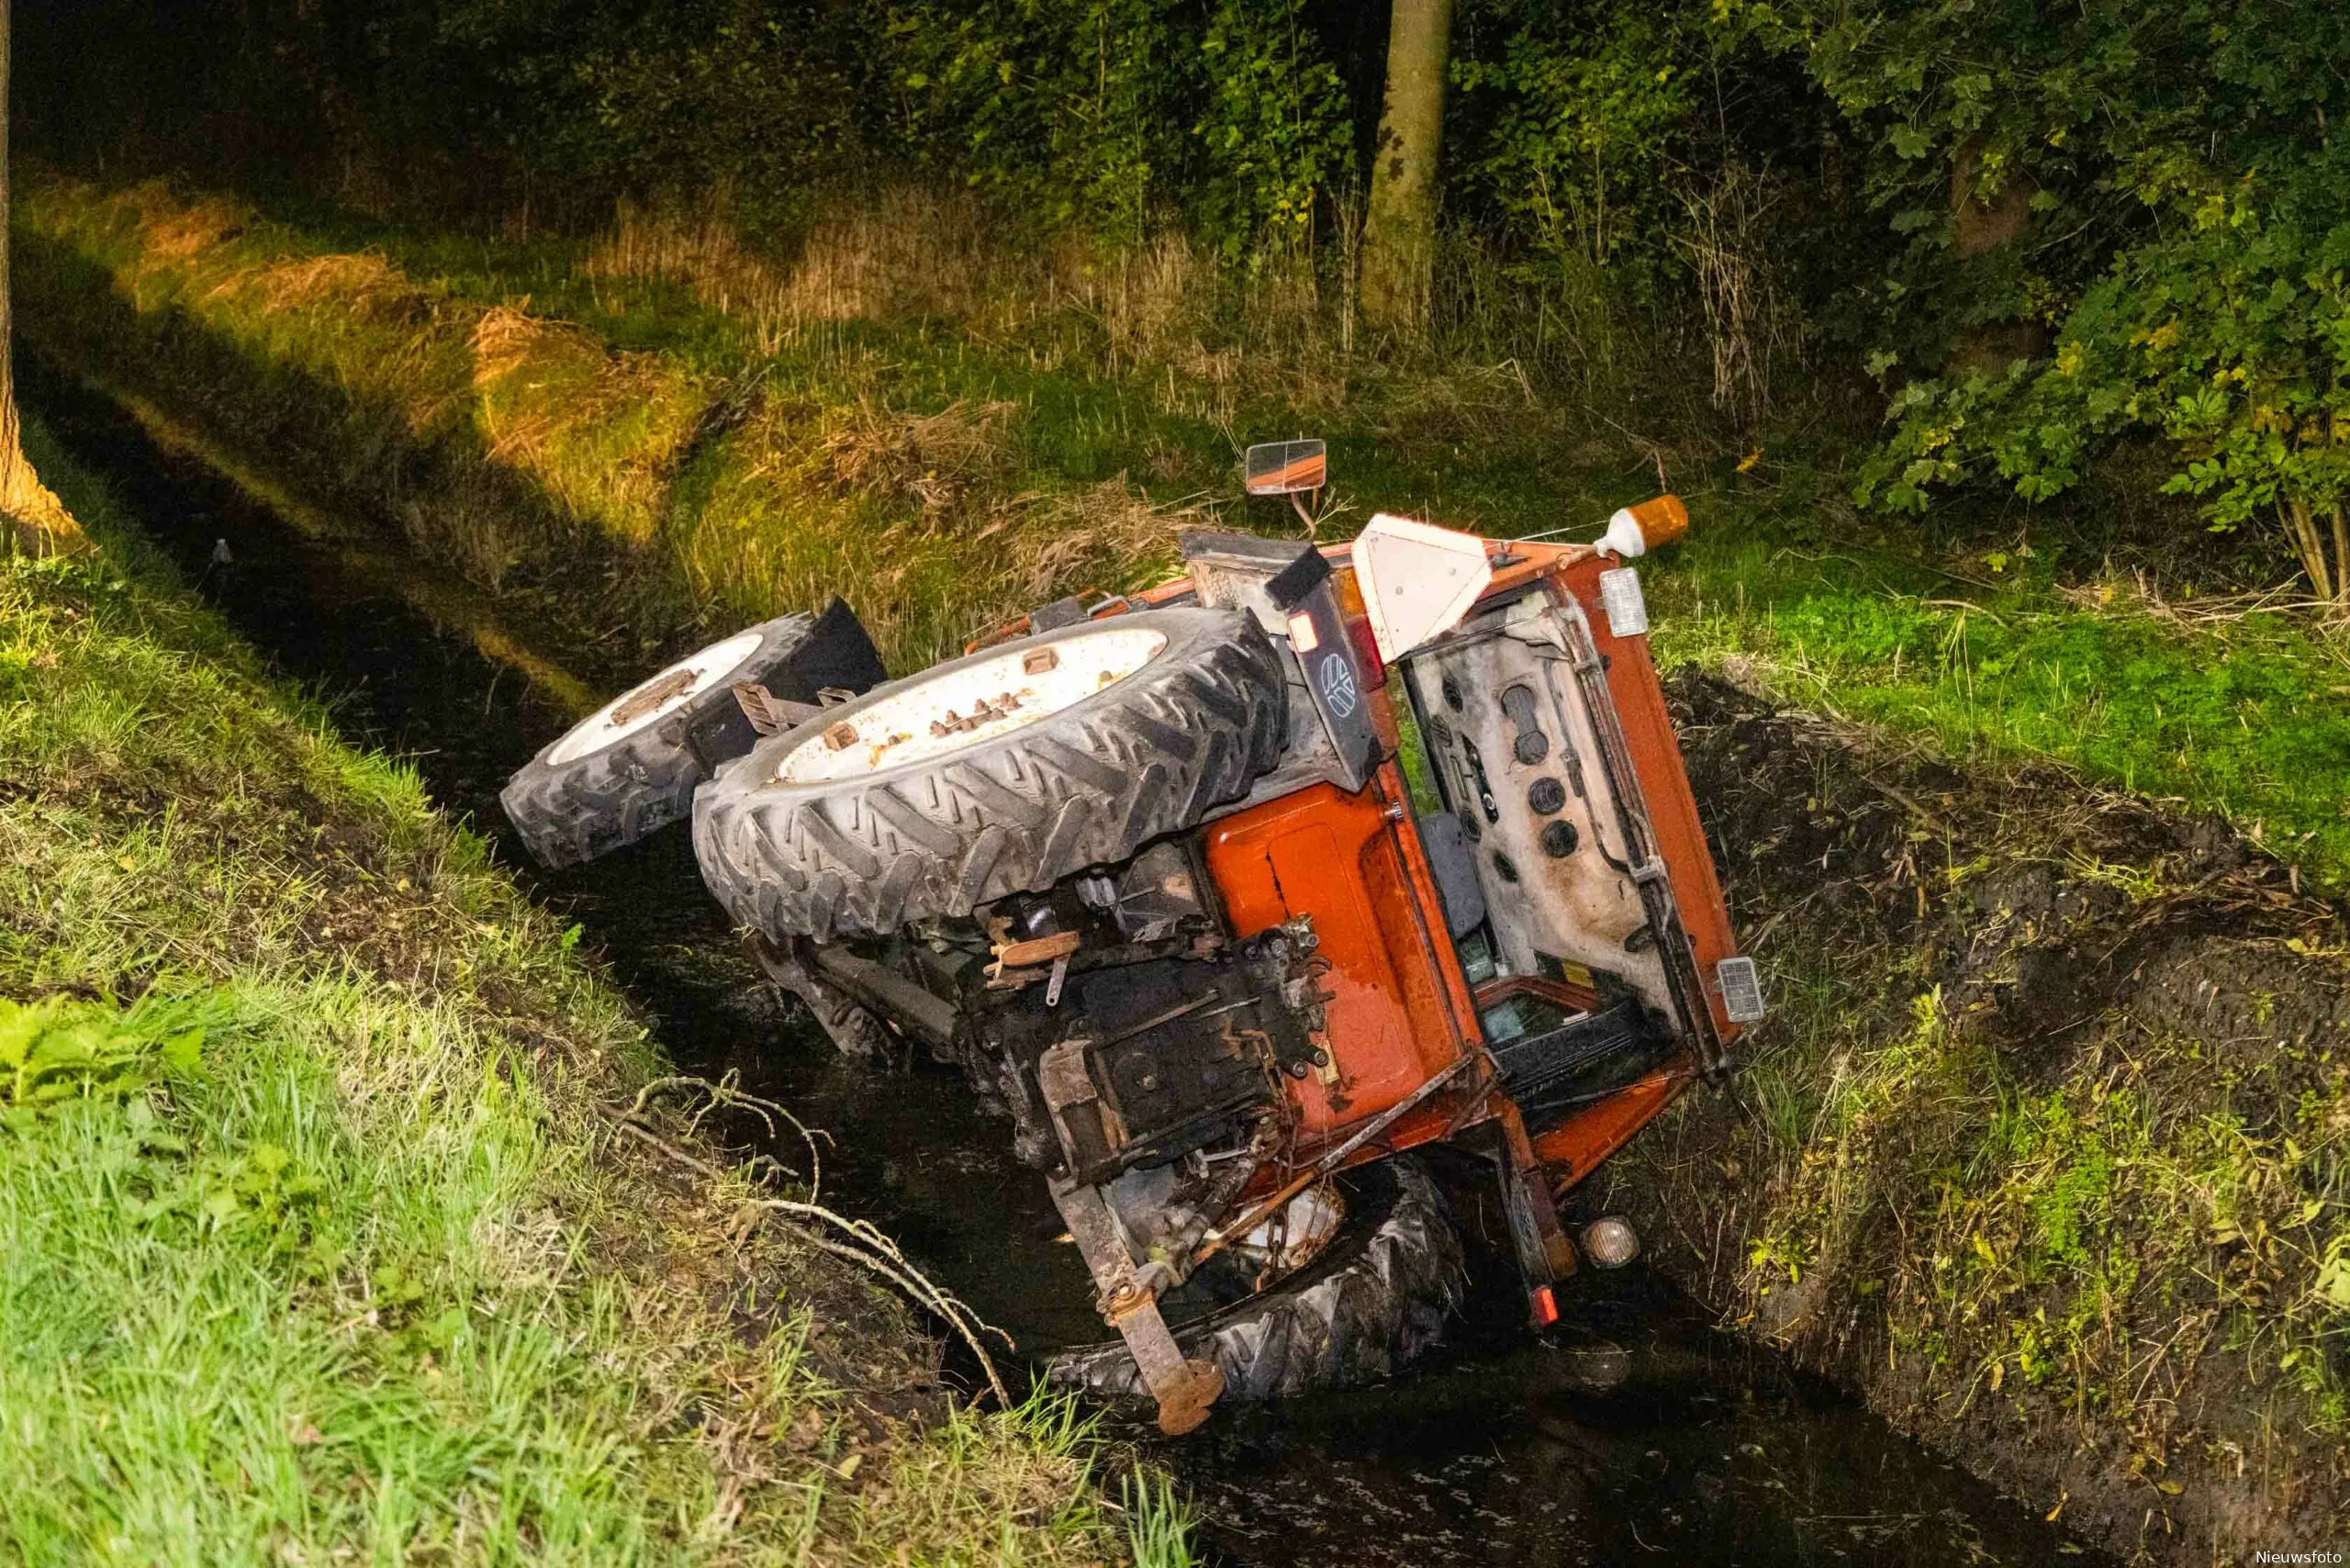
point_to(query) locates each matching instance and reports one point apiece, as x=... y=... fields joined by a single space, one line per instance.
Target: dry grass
x=177 y=230
x=363 y=281
x=933 y=461
x=1105 y=537
x=910 y=253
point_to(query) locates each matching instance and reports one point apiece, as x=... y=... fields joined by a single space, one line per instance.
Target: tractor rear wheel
x=1376 y=1297
x=1002 y=772
x=631 y=767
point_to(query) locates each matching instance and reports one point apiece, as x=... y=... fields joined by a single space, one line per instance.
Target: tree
x=34 y=514
x=1399 y=230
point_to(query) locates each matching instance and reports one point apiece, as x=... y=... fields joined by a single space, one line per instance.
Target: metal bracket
x=771 y=714
x=1184 y=1388
x=654 y=693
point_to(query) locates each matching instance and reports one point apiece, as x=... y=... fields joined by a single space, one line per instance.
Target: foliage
x=1098 y=115
x=1588 y=113
x=2158 y=185
x=2228 y=336
x=58 y=1051
x=1274 y=132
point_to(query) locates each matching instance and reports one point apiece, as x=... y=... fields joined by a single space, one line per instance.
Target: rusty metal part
x=1017 y=963
x=771 y=714
x=1184 y=1389
x=1217 y=1240
x=1129 y=1303
x=986 y=713
x=1040 y=661
x=645 y=698
x=840 y=736
x=1088 y=1129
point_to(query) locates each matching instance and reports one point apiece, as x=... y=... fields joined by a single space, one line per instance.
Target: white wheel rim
x=705 y=669
x=960 y=707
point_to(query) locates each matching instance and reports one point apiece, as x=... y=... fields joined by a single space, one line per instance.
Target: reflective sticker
x=1303 y=638
x=1619 y=595
x=1741 y=989
x=1338 y=687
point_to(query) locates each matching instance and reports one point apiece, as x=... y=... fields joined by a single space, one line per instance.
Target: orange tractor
x=1229 y=896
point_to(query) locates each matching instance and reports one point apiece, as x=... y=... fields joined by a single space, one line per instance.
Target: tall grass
x=666 y=432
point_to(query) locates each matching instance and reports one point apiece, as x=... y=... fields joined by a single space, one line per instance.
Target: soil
x=2079 y=936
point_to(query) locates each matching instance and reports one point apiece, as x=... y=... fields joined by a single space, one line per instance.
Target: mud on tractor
x=1228 y=896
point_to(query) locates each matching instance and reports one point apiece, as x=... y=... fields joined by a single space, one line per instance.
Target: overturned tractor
x=1228 y=896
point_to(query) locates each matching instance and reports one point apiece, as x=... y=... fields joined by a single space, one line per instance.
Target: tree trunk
x=1399 y=232
x=1985 y=229
x=2328 y=580
x=38 y=517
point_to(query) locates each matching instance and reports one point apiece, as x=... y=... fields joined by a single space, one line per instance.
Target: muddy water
x=1642 y=1436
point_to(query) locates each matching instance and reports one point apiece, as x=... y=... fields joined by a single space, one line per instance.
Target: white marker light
x=1619 y=595
x=1741 y=989
x=1624 y=537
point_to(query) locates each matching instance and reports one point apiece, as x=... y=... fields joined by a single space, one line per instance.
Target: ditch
x=1642 y=1430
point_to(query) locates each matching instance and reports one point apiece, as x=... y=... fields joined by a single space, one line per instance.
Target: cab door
x=1546 y=732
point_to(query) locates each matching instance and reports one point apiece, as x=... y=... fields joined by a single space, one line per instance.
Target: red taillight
x=1546 y=1308
x=1359 y=632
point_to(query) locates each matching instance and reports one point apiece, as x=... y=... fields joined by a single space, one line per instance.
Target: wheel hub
x=964 y=704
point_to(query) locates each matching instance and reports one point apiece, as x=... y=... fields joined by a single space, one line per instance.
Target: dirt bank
x=2043 y=1150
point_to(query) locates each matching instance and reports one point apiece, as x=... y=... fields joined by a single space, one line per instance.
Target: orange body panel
x=1392 y=1012
x=1574 y=1150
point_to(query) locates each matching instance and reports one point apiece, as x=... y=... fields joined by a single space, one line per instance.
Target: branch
x=874 y=1253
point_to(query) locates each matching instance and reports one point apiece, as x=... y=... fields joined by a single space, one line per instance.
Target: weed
x=1159 y=1523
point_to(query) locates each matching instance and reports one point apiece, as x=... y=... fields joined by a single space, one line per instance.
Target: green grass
x=948 y=451
x=2241 y=715
x=313 y=1244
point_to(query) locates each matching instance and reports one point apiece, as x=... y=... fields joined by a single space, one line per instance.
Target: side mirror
x=1285 y=467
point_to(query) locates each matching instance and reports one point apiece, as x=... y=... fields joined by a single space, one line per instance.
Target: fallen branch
x=727 y=1090
x=874 y=1251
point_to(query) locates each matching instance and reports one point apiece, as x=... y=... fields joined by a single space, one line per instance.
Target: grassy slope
x=905 y=435
x=2042 y=1150
x=366 y=1273
x=715 y=438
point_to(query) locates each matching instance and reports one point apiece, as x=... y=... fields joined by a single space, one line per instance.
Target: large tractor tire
x=1002 y=772
x=631 y=768
x=1373 y=1299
